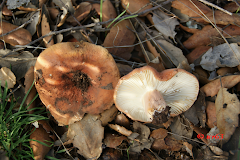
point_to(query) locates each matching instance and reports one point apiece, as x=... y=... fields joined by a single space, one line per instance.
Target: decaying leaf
x=35 y=21
x=124 y=69
x=141 y=140
x=122 y=120
x=211 y=114
x=221 y=56
x=113 y=140
x=227 y=111
x=82 y=10
x=188 y=148
x=108 y=115
x=18 y=37
x=212 y=88
x=196 y=53
x=226 y=70
x=19 y=64
x=40 y=150
x=164 y=24
x=181 y=127
x=87 y=136
x=6 y=75
x=120 y=35
x=136 y=6
x=13 y=4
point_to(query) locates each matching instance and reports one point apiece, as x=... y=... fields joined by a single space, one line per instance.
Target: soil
x=81 y=80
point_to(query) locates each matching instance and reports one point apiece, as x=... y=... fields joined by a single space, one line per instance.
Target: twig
x=215 y=6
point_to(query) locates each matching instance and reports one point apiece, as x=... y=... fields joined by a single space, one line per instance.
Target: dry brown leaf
x=231 y=7
x=113 y=140
x=120 y=129
x=159 y=135
x=219 y=17
x=172 y=143
x=225 y=70
x=136 y=6
x=120 y=35
x=108 y=115
x=201 y=75
x=108 y=11
x=41 y=2
x=124 y=69
x=29 y=78
x=212 y=88
x=40 y=150
x=45 y=28
x=140 y=138
x=28 y=7
x=87 y=136
x=6 y=75
x=211 y=114
x=196 y=53
x=208 y=34
x=188 y=148
x=122 y=120
x=81 y=12
x=18 y=37
x=227 y=111
x=181 y=127
x=6 y=11
x=111 y=154
x=53 y=12
x=189 y=9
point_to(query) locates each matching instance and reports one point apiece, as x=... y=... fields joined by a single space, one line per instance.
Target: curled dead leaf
x=18 y=37
x=120 y=129
x=113 y=140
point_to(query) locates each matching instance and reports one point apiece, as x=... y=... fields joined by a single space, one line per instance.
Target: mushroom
x=145 y=92
x=75 y=78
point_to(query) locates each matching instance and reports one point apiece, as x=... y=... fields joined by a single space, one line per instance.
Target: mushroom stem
x=154 y=102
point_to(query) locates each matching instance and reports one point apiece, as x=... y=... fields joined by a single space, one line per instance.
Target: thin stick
x=215 y=6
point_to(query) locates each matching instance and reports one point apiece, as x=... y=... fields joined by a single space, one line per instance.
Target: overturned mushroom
x=75 y=78
x=145 y=92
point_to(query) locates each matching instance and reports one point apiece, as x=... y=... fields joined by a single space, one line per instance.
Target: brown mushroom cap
x=145 y=91
x=75 y=78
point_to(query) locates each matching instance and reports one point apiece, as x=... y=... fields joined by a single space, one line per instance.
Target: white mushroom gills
x=133 y=94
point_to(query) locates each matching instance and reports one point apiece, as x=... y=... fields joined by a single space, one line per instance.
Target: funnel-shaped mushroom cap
x=145 y=91
x=75 y=78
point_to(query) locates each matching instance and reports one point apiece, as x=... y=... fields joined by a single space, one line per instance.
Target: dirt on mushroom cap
x=75 y=78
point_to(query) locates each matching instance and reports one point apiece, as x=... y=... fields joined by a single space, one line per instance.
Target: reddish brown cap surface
x=75 y=78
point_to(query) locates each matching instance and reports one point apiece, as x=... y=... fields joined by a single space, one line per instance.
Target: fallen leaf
x=124 y=69
x=29 y=78
x=196 y=53
x=142 y=139
x=6 y=11
x=113 y=140
x=164 y=24
x=45 y=27
x=122 y=120
x=186 y=7
x=87 y=136
x=19 y=64
x=53 y=12
x=18 y=37
x=208 y=34
x=226 y=70
x=216 y=150
x=212 y=88
x=13 y=4
x=81 y=12
x=136 y=6
x=120 y=129
x=32 y=27
x=221 y=56
x=108 y=115
x=111 y=154
x=211 y=114
x=173 y=53
x=187 y=29
x=231 y=7
x=40 y=150
x=181 y=127
x=28 y=7
x=159 y=135
x=188 y=148
x=213 y=135
x=227 y=111
x=6 y=75
x=172 y=143
x=120 y=35
x=201 y=74
x=108 y=11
